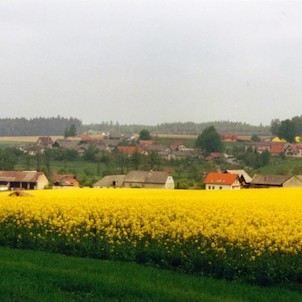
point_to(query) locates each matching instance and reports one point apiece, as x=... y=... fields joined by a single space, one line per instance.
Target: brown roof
x=110 y=181
x=20 y=176
x=273 y=180
x=45 y=140
x=129 y=149
x=65 y=180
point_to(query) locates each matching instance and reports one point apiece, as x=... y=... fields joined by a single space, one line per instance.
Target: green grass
x=8 y=144
x=38 y=276
x=280 y=166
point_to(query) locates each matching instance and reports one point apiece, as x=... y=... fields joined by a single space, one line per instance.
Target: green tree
x=144 y=134
x=209 y=140
x=264 y=158
x=135 y=160
x=70 y=131
x=255 y=138
x=275 y=124
x=287 y=130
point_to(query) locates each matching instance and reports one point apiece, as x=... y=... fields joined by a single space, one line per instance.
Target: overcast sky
x=151 y=61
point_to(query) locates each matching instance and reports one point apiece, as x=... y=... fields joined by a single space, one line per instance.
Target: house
x=28 y=180
x=65 y=181
x=149 y=179
x=66 y=143
x=213 y=155
x=259 y=146
x=44 y=142
x=181 y=154
x=129 y=150
x=177 y=146
x=293 y=150
x=30 y=149
x=275 y=181
x=277 y=149
x=157 y=148
x=110 y=181
x=228 y=137
x=222 y=181
x=244 y=178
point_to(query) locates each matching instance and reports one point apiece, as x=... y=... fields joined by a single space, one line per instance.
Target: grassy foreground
x=39 y=276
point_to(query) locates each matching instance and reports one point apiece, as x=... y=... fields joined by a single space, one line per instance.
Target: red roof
x=220 y=178
x=229 y=136
x=277 y=148
x=130 y=149
x=148 y=142
x=213 y=156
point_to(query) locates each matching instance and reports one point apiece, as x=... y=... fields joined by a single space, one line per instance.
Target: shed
x=110 y=181
x=149 y=179
x=29 y=180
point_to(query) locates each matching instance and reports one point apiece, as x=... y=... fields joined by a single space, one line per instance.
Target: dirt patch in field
x=20 y=193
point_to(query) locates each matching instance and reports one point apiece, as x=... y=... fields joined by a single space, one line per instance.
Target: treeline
x=58 y=125
x=287 y=129
x=37 y=126
x=180 y=128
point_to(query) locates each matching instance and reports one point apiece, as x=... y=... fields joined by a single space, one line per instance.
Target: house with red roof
x=228 y=137
x=129 y=150
x=293 y=150
x=222 y=181
x=277 y=148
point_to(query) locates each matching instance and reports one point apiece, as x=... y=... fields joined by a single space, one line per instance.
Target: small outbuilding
x=27 y=180
x=149 y=179
x=110 y=181
x=65 y=181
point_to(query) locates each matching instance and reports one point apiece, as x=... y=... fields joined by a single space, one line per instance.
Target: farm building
x=244 y=178
x=149 y=179
x=110 y=181
x=28 y=180
x=65 y=181
x=275 y=181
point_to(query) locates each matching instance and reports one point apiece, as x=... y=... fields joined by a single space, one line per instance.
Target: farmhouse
x=275 y=181
x=222 y=181
x=28 y=180
x=110 y=181
x=137 y=179
x=151 y=179
x=45 y=142
x=65 y=181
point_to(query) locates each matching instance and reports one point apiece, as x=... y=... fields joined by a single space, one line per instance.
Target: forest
x=57 y=126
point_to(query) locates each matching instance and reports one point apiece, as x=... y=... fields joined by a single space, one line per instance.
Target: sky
x=151 y=61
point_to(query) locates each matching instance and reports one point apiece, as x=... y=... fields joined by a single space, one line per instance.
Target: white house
x=222 y=181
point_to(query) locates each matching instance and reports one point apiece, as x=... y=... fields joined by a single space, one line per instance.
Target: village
x=224 y=172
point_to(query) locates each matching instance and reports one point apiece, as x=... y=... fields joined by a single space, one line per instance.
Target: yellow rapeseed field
x=252 y=222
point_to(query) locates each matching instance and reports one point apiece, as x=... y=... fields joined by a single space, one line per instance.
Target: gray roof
x=109 y=180
x=273 y=180
x=241 y=173
x=151 y=177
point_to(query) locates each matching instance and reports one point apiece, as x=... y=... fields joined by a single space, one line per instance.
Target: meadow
x=250 y=235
